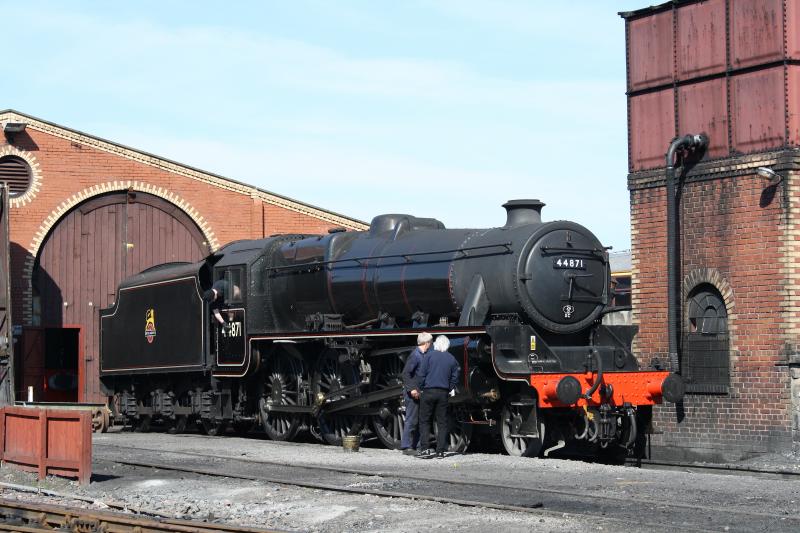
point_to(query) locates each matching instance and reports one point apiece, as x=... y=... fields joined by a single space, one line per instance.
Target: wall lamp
x=768 y=174
x=13 y=128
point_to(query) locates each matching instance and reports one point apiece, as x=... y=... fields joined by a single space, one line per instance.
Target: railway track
x=661 y=515
x=35 y=517
x=716 y=469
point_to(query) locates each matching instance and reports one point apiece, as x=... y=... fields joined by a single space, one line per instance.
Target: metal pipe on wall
x=679 y=146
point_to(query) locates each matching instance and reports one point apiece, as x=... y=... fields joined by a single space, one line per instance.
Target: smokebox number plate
x=569 y=262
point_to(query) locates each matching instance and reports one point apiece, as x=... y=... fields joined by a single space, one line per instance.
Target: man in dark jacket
x=438 y=376
x=410 y=439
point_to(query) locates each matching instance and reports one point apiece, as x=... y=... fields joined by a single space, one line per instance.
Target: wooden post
x=6 y=330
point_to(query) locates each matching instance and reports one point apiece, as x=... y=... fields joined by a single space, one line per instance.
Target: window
x=232 y=288
x=621 y=285
x=705 y=358
x=17 y=173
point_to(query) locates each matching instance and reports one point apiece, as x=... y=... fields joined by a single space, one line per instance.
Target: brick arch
x=87 y=194
x=713 y=277
x=36 y=175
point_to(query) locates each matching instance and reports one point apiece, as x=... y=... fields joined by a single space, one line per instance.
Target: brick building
x=85 y=214
x=729 y=69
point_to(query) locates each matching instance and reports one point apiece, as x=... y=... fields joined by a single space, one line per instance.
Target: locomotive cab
x=227 y=317
x=228 y=304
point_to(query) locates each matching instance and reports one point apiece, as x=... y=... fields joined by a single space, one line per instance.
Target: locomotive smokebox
x=522 y=212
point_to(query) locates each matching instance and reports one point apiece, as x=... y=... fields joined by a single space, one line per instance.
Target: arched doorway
x=80 y=263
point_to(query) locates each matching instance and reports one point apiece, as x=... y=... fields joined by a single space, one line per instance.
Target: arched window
x=705 y=363
x=17 y=173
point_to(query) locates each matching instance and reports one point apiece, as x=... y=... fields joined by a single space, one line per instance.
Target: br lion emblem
x=150 y=325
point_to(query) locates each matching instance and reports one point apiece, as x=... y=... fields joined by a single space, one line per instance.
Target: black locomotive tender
x=312 y=331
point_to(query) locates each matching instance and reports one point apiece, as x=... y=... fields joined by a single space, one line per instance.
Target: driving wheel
x=282 y=379
x=510 y=421
x=335 y=381
x=389 y=422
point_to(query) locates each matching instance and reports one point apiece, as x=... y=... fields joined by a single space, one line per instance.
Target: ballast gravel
x=282 y=508
x=291 y=508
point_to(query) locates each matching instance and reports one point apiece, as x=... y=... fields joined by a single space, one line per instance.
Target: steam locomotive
x=310 y=332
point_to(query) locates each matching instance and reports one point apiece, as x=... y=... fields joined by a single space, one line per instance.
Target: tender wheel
x=142 y=424
x=331 y=376
x=99 y=421
x=282 y=379
x=242 y=428
x=178 y=425
x=212 y=428
x=510 y=421
x=389 y=423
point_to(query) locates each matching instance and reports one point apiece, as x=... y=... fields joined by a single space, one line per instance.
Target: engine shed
x=730 y=321
x=87 y=213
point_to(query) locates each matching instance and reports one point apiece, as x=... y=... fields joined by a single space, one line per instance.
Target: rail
x=679 y=515
x=33 y=517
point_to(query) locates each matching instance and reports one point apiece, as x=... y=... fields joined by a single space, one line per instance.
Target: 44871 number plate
x=569 y=262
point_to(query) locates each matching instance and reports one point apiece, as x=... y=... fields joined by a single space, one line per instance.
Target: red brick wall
x=737 y=227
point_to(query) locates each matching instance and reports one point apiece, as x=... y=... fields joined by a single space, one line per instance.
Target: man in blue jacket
x=438 y=376
x=410 y=438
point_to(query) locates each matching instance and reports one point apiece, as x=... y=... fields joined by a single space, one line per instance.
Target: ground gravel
x=288 y=508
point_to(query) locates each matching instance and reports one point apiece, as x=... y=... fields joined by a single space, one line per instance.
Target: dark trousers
x=410 y=437
x=433 y=401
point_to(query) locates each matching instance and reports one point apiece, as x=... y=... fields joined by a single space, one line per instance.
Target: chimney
x=522 y=212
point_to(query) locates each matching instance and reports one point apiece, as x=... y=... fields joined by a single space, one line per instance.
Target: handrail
x=406 y=256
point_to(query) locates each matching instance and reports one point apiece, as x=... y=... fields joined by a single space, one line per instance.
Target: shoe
x=409 y=451
x=439 y=455
x=425 y=454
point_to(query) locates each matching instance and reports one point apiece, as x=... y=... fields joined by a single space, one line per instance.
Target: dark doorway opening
x=49 y=364
x=61 y=364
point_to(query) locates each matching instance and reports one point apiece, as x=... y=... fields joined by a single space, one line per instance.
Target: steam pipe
x=679 y=144
x=599 y=379
x=634 y=429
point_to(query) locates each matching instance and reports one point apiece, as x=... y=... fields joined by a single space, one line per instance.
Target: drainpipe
x=679 y=146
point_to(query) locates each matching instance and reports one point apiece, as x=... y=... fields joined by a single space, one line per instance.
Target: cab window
x=232 y=289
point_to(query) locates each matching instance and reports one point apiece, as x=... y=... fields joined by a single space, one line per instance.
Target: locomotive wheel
x=281 y=387
x=510 y=420
x=459 y=435
x=389 y=423
x=331 y=376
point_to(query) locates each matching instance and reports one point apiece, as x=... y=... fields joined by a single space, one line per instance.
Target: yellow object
x=350 y=443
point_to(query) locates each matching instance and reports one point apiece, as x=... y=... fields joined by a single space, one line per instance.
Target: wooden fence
x=47 y=441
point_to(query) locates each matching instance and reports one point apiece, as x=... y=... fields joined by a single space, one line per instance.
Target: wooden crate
x=47 y=441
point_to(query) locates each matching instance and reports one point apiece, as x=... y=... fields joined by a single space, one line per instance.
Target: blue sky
x=434 y=108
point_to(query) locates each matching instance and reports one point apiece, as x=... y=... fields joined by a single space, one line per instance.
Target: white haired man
x=438 y=376
x=409 y=442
